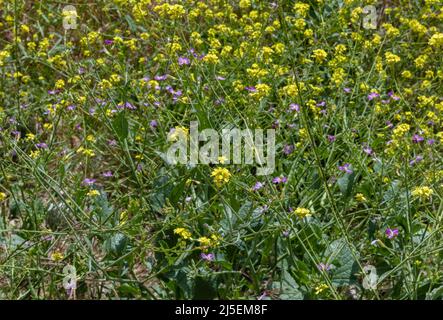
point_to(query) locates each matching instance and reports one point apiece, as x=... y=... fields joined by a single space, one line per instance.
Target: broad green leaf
x=346 y=183
x=340 y=255
x=121 y=126
x=117 y=244
x=289 y=289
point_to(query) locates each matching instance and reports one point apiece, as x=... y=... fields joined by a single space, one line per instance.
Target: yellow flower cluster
x=319 y=55
x=422 y=193
x=86 y=152
x=319 y=289
x=211 y=58
x=93 y=193
x=302 y=212
x=221 y=176
x=172 y=11
x=212 y=241
x=57 y=256
x=401 y=130
x=392 y=58
x=262 y=90
x=436 y=40
x=182 y=232
x=301 y=9
x=360 y=197
x=178 y=132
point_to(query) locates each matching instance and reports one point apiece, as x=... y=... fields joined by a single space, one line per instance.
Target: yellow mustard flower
x=302 y=212
x=422 y=193
x=221 y=176
x=182 y=232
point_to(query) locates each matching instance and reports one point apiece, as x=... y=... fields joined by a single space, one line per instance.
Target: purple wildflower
x=389 y=124
x=258 y=185
x=278 y=180
x=108 y=42
x=345 y=168
x=41 y=145
x=88 y=182
x=276 y=124
x=183 y=61
x=417 y=159
x=219 y=101
x=161 y=78
x=264 y=294
x=192 y=51
x=331 y=138
x=391 y=233
x=207 y=257
x=127 y=105
x=47 y=238
x=107 y=174
x=176 y=95
x=153 y=124
x=288 y=149
x=273 y=5
x=324 y=266
x=251 y=89
x=294 y=107
x=373 y=95
x=417 y=138
x=393 y=96
x=368 y=150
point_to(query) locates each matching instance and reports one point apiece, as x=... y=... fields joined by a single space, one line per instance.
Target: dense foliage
x=88 y=102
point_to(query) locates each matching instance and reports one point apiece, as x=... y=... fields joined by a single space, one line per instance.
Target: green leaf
x=204 y=288
x=346 y=183
x=117 y=244
x=340 y=255
x=228 y=222
x=120 y=125
x=12 y=242
x=435 y=294
x=183 y=281
x=131 y=23
x=128 y=290
x=102 y=209
x=289 y=289
x=163 y=188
